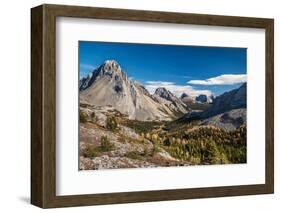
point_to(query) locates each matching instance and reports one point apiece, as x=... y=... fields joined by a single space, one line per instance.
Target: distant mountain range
x=109 y=85
x=234 y=99
x=167 y=98
x=201 y=98
x=228 y=111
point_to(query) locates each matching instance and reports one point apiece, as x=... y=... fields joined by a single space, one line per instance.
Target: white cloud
x=151 y=86
x=227 y=79
x=162 y=83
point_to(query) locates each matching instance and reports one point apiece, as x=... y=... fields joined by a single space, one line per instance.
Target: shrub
x=93 y=117
x=155 y=149
x=90 y=152
x=167 y=142
x=111 y=123
x=142 y=126
x=106 y=145
x=147 y=135
x=145 y=152
x=133 y=155
x=154 y=137
x=210 y=153
x=82 y=117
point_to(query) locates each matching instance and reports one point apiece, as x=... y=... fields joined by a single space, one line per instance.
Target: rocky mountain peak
x=166 y=97
x=111 y=68
x=109 y=85
x=111 y=65
x=184 y=95
x=202 y=98
x=163 y=93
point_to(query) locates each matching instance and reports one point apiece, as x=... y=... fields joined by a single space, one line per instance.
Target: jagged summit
x=202 y=98
x=111 y=62
x=164 y=93
x=110 y=85
x=166 y=97
x=111 y=66
x=184 y=95
x=110 y=69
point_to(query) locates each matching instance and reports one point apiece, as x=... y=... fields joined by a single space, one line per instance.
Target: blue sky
x=190 y=69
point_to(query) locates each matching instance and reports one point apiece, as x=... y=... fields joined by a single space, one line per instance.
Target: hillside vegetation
x=110 y=140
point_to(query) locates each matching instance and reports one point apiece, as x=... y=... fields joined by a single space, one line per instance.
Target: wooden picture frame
x=43 y=105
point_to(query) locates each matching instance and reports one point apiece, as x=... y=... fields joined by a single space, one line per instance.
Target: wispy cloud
x=226 y=79
x=161 y=83
x=151 y=86
x=87 y=66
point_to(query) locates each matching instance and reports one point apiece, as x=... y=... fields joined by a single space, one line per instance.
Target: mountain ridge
x=224 y=103
x=167 y=97
x=234 y=99
x=110 y=85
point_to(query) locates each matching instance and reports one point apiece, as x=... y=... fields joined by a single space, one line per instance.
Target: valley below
x=122 y=125
x=108 y=139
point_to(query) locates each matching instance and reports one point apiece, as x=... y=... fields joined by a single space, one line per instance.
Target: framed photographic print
x=136 y=106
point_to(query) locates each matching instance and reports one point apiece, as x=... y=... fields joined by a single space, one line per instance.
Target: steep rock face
x=201 y=98
x=109 y=85
x=228 y=110
x=233 y=99
x=184 y=95
x=229 y=120
x=185 y=98
x=167 y=98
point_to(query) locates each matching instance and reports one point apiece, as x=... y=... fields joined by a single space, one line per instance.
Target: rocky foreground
x=107 y=143
x=108 y=139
